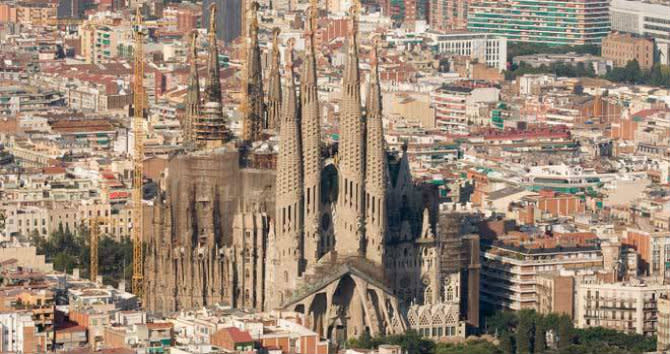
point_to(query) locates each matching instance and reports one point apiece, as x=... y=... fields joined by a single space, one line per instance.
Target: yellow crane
x=138 y=155
x=94 y=234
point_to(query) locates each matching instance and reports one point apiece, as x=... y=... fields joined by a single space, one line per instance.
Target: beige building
x=510 y=274
x=103 y=40
x=628 y=307
x=26 y=257
x=624 y=47
x=663 y=329
x=413 y=107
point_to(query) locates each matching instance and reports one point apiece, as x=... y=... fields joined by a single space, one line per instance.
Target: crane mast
x=138 y=155
x=94 y=233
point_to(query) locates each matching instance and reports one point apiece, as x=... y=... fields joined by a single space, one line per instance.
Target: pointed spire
x=290 y=103
x=350 y=202
x=351 y=70
x=426 y=229
x=192 y=96
x=213 y=84
x=311 y=144
x=289 y=188
x=274 y=89
x=375 y=165
x=253 y=92
x=211 y=127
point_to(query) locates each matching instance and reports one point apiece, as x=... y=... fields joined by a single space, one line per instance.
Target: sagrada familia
x=346 y=238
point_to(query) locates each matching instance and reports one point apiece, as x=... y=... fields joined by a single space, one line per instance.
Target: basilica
x=344 y=237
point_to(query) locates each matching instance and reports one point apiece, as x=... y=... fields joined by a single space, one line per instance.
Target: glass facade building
x=555 y=22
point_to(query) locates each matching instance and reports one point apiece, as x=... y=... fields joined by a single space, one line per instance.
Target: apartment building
x=653 y=247
x=455 y=104
x=624 y=47
x=19 y=334
x=27 y=12
x=663 y=329
x=16 y=98
x=102 y=39
x=646 y=18
x=510 y=273
x=486 y=48
x=447 y=15
x=630 y=307
x=558 y=22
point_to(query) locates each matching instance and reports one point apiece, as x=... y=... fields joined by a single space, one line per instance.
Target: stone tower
x=192 y=96
x=375 y=172
x=213 y=83
x=211 y=130
x=311 y=140
x=254 y=110
x=289 y=187
x=349 y=222
x=274 y=88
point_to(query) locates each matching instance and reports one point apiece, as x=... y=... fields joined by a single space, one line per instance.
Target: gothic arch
x=329 y=184
x=317 y=311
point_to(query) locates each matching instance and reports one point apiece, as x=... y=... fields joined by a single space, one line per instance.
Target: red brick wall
x=640 y=242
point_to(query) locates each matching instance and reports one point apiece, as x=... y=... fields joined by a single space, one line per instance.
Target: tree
x=633 y=73
x=540 y=335
x=507 y=343
x=524 y=332
x=565 y=329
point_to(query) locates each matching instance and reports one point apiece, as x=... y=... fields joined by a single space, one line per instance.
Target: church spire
x=274 y=89
x=349 y=226
x=253 y=94
x=213 y=84
x=289 y=188
x=311 y=143
x=211 y=128
x=192 y=96
x=375 y=166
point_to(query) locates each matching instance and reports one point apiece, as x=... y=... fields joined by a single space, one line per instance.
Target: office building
x=647 y=18
x=487 y=49
x=555 y=22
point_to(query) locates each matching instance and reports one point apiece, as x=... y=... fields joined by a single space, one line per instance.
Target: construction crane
x=138 y=155
x=94 y=234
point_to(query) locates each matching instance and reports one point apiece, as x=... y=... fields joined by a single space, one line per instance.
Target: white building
x=14 y=327
x=484 y=47
x=629 y=307
x=649 y=18
x=455 y=105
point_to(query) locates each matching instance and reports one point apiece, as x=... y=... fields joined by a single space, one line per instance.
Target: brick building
x=624 y=47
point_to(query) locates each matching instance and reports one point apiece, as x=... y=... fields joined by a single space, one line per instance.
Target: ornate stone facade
x=351 y=242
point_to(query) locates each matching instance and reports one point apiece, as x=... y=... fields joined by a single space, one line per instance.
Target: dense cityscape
x=322 y=177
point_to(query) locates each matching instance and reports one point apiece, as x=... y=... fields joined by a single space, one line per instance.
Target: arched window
x=450 y=293
x=428 y=296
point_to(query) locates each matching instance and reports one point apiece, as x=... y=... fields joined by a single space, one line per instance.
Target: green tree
x=540 y=335
x=565 y=329
x=524 y=332
x=469 y=347
x=633 y=73
x=507 y=343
